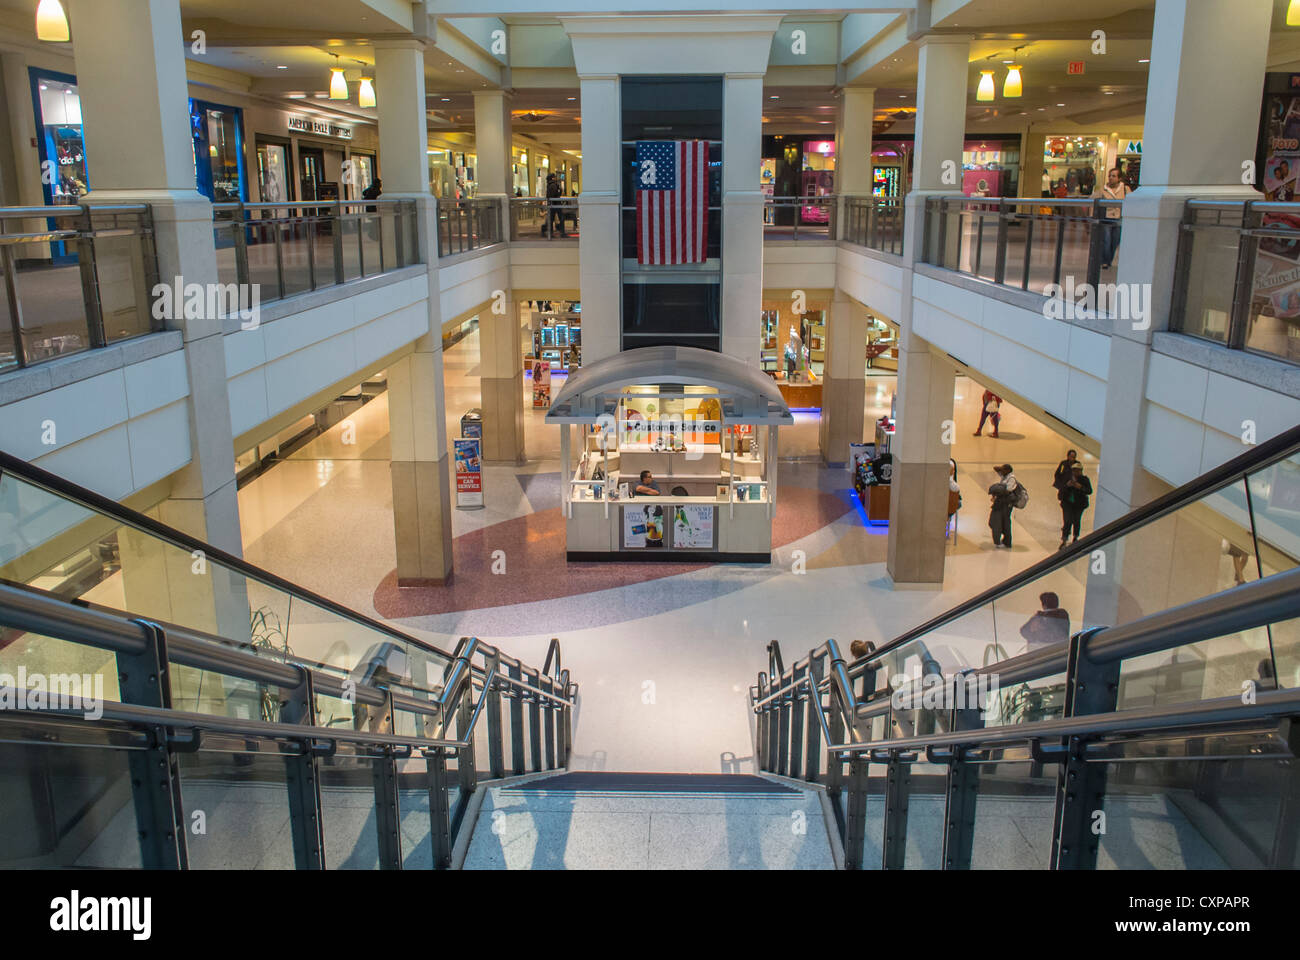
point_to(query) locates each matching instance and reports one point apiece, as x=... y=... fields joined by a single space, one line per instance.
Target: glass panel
x=347 y=803
x=926 y=786
x=1211 y=270
x=413 y=804
x=244 y=801
x=350 y=232
x=368 y=230
x=1196 y=815
x=53 y=311
x=225 y=232
x=121 y=275
x=67 y=806
x=1273 y=323
x=327 y=266
x=873 y=841
x=262 y=268
x=297 y=268
x=1015 y=807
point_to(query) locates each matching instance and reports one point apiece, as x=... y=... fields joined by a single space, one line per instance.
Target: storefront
x=1073 y=166
x=891 y=168
x=791 y=167
x=556 y=334
x=451 y=173
x=521 y=183
x=59 y=138
x=991 y=167
x=218 y=133
x=793 y=350
x=702 y=424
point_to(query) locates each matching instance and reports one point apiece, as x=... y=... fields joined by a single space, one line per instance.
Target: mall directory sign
x=469 y=472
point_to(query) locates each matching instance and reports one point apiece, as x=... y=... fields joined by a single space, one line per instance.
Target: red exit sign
x=1074 y=67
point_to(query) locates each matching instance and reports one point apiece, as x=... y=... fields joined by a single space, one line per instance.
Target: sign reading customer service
x=322 y=128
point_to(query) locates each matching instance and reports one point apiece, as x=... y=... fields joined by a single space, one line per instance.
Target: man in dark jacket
x=1062 y=475
x=1049 y=625
x=1074 y=500
x=554 y=209
x=1002 y=497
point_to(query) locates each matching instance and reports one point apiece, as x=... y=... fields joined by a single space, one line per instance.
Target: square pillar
x=501 y=379
x=742 y=216
x=599 y=250
x=844 y=385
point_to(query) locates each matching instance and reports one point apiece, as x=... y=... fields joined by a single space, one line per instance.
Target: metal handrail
x=1276 y=448
x=103 y=505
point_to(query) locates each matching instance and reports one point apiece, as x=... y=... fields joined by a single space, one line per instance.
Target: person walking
x=1115 y=189
x=1002 y=496
x=1048 y=626
x=1074 y=500
x=992 y=404
x=554 y=210
x=1062 y=475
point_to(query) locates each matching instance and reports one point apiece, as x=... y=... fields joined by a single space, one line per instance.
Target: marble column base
x=918 y=511
x=503 y=417
x=843 y=403
x=422 y=497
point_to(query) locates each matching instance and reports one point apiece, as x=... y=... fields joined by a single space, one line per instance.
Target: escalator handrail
x=1235 y=469
x=123 y=514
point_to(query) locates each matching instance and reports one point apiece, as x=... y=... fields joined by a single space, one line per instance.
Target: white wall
x=116 y=432
x=285 y=361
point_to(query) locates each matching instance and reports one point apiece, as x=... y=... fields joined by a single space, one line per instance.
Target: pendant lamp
x=986 y=91
x=52 y=22
x=1013 y=87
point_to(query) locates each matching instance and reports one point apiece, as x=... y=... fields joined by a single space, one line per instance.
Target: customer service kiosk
x=704 y=425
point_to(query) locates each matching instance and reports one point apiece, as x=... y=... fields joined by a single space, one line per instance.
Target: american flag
x=672 y=201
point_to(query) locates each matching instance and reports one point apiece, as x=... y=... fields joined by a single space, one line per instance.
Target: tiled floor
x=663 y=656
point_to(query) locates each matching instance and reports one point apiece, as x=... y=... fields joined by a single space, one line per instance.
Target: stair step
x=599 y=781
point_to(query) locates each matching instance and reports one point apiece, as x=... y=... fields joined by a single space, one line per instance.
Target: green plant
x=266 y=635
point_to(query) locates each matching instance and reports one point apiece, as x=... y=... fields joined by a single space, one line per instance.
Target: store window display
x=60 y=141
x=1073 y=166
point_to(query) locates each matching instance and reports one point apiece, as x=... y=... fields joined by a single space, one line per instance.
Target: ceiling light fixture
x=366 y=93
x=281 y=66
x=986 y=90
x=338 y=83
x=1012 y=86
x=1293 y=13
x=52 y=22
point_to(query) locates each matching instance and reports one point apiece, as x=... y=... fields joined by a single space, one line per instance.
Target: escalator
x=1160 y=732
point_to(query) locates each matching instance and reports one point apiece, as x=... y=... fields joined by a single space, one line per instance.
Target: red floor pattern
x=536 y=569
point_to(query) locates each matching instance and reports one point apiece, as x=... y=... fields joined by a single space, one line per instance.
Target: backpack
x=1020 y=497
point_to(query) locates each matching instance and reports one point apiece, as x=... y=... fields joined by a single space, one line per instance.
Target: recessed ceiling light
x=281 y=66
x=1109 y=93
x=902 y=96
x=1060 y=104
x=1008 y=61
x=774 y=97
x=297 y=96
x=571 y=98
x=446 y=99
x=823 y=121
x=1148 y=60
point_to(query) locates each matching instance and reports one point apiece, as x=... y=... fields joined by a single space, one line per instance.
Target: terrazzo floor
x=665 y=654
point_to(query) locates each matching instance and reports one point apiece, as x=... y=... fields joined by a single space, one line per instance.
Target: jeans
x=985 y=415
x=1071 y=517
x=1109 y=241
x=553 y=214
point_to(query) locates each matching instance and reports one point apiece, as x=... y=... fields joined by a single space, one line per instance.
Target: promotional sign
x=469 y=472
x=1277 y=265
x=319 y=127
x=643 y=527
x=693 y=527
x=541 y=383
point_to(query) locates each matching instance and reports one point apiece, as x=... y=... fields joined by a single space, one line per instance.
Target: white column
x=137 y=130
x=844 y=385
x=1207 y=60
x=919 y=495
x=599 y=204
x=492 y=143
x=853 y=146
x=416 y=399
x=742 y=216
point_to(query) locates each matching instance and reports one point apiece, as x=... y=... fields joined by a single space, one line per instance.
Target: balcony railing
x=533 y=218
x=874 y=222
x=1026 y=243
x=467 y=225
x=799 y=218
x=75 y=278
x=1237 y=278
x=291 y=248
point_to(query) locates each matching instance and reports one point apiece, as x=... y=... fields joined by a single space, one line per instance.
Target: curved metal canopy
x=746 y=393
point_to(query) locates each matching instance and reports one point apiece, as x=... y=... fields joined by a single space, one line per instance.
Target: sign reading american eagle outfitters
x=321 y=128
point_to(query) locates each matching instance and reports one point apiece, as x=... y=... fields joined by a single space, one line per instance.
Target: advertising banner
x=1277 y=267
x=469 y=472
x=693 y=527
x=541 y=383
x=643 y=527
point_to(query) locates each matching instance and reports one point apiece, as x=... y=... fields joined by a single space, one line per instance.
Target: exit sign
x=1074 y=67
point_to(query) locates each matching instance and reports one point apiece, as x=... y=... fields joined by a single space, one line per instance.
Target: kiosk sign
x=469 y=472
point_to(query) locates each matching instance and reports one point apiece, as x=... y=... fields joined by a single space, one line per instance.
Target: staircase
x=650 y=821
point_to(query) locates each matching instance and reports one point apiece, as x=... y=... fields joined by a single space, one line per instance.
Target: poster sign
x=1277 y=266
x=541 y=383
x=469 y=472
x=693 y=527
x=643 y=527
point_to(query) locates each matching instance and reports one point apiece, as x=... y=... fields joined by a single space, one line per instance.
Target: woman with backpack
x=1004 y=495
